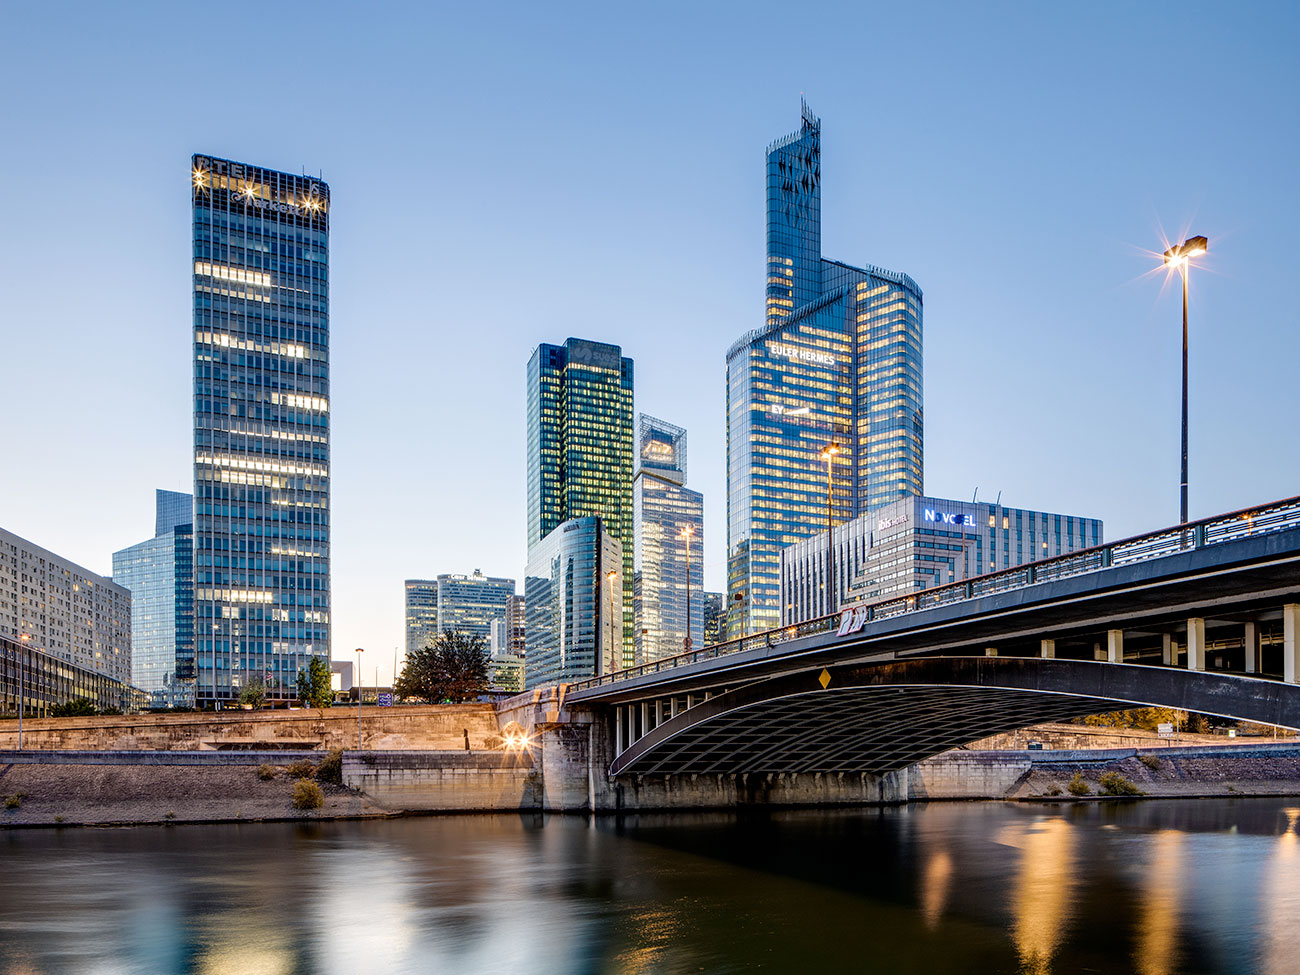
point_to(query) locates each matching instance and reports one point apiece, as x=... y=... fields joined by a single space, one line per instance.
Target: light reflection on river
x=1152 y=887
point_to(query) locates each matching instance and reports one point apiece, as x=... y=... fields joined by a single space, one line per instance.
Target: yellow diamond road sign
x=824 y=678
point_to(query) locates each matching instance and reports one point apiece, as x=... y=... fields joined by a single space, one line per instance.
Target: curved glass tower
x=838 y=360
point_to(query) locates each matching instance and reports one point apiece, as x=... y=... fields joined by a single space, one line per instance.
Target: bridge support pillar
x=1290 y=634
x=1115 y=646
x=1250 y=641
x=1047 y=648
x=1196 y=643
x=1167 y=655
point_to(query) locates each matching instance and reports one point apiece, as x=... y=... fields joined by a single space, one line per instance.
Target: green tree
x=254 y=693
x=314 y=684
x=454 y=668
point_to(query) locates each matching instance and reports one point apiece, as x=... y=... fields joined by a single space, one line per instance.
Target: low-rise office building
x=917 y=543
x=42 y=680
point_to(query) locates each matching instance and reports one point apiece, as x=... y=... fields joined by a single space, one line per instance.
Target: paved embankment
x=121 y=788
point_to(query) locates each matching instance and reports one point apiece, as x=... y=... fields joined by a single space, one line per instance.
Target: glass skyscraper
x=421 y=612
x=663 y=509
x=579 y=447
x=457 y=603
x=261 y=426
x=573 y=610
x=838 y=360
x=160 y=574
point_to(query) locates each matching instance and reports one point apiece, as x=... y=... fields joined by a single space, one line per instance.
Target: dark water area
x=1150 y=887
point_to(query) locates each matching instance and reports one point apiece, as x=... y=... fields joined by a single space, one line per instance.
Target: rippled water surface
x=1154 y=887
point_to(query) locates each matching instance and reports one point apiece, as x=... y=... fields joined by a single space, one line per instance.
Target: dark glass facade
x=579 y=448
x=261 y=426
x=837 y=360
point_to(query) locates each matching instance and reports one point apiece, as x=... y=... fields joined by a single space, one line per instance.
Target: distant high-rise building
x=421 y=612
x=573 y=592
x=715 y=618
x=63 y=610
x=469 y=603
x=261 y=426
x=918 y=543
x=664 y=511
x=515 y=624
x=456 y=603
x=579 y=447
x=160 y=574
x=838 y=361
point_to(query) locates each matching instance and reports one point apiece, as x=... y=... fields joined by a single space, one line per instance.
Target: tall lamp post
x=685 y=535
x=611 y=575
x=1180 y=257
x=828 y=455
x=360 y=651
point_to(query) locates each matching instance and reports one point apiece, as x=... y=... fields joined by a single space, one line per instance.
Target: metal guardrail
x=1249 y=522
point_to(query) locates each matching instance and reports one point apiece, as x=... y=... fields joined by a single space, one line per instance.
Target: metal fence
x=1250 y=522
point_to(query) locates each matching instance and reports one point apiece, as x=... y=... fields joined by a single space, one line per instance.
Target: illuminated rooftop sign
x=797 y=354
x=949 y=518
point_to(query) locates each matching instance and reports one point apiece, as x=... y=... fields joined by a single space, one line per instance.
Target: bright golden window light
x=199 y=178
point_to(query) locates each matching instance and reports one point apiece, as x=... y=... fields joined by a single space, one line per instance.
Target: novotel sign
x=800 y=355
x=949 y=518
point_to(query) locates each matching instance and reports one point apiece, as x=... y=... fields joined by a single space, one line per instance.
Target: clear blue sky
x=506 y=174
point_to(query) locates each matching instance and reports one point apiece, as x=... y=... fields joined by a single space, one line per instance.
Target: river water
x=1150 y=887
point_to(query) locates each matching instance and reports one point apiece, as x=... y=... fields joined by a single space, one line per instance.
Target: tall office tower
x=838 y=361
x=574 y=594
x=261 y=427
x=55 y=607
x=160 y=574
x=664 y=510
x=421 y=612
x=580 y=447
x=715 y=618
x=515 y=624
x=469 y=603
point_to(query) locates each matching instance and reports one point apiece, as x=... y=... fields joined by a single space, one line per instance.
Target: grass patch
x=266 y=772
x=1078 y=786
x=1150 y=761
x=1114 y=784
x=307 y=795
x=15 y=800
x=1055 y=790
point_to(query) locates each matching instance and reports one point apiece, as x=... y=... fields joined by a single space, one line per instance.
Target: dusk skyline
x=509 y=179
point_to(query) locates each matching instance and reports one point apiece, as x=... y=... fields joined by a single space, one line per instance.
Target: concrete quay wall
x=446 y=781
x=433 y=727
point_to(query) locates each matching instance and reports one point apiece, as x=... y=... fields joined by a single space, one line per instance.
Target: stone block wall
x=446 y=781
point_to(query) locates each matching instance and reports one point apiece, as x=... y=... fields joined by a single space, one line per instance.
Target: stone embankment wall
x=437 y=727
x=446 y=781
x=1077 y=736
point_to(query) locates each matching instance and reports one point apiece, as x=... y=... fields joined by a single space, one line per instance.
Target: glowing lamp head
x=1180 y=254
x=830 y=450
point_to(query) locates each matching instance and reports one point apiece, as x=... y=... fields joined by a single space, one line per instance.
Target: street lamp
x=1180 y=256
x=685 y=536
x=611 y=575
x=357 y=681
x=828 y=455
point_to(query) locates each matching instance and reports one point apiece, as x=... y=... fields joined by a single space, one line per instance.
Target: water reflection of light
x=934 y=887
x=1280 y=903
x=1044 y=886
x=1157 y=947
x=240 y=958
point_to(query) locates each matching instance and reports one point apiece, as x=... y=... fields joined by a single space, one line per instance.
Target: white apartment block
x=65 y=610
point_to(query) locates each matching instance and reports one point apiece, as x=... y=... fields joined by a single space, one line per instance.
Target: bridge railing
x=1277 y=516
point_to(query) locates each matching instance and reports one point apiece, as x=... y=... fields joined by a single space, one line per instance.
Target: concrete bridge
x=1203 y=617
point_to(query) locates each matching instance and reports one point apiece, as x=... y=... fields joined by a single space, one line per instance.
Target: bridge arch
x=877 y=717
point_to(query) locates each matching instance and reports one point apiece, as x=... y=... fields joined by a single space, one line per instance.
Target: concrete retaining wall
x=421 y=727
x=446 y=780
x=967 y=775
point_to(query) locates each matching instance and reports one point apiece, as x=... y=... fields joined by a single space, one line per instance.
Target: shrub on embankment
x=307 y=795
